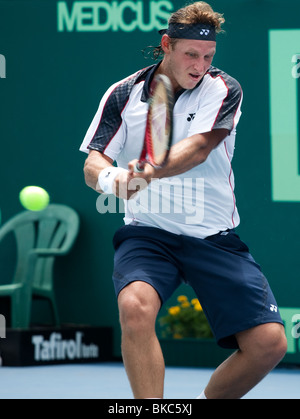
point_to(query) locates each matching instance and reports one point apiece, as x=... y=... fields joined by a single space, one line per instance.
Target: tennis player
x=166 y=239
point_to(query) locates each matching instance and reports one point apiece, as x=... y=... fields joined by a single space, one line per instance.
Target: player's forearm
x=190 y=152
x=183 y=156
x=94 y=164
x=114 y=180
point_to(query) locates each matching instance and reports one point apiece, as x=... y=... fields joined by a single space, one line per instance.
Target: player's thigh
x=141 y=256
x=231 y=287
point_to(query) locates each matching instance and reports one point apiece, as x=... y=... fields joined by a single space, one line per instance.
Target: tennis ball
x=34 y=198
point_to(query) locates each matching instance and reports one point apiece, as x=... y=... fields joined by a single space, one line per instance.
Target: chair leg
x=20 y=311
x=55 y=312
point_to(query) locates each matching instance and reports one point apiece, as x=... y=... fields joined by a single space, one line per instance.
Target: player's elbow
x=202 y=155
x=207 y=142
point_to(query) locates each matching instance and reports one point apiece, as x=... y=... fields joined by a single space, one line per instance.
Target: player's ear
x=166 y=44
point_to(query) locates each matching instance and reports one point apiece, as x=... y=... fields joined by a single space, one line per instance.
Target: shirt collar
x=149 y=78
x=147 y=83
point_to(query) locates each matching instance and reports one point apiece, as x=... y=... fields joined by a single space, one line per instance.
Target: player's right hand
x=126 y=186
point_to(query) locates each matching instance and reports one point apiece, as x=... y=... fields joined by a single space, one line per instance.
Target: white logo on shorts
x=273 y=308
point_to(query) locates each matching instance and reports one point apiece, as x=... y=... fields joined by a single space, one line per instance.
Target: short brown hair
x=196 y=12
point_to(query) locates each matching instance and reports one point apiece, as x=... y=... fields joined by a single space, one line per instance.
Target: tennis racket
x=159 y=125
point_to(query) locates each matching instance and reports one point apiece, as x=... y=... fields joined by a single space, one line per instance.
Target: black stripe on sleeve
x=111 y=118
x=231 y=103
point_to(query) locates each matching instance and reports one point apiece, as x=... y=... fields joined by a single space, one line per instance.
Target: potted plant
x=185 y=320
x=186 y=337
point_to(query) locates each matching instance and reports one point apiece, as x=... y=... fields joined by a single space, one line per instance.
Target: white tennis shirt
x=199 y=202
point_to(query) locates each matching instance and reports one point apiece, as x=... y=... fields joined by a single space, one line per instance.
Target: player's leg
x=139 y=304
x=145 y=275
x=261 y=349
x=241 y=308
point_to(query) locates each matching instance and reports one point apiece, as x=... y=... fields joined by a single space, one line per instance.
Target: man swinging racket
x=165 y=241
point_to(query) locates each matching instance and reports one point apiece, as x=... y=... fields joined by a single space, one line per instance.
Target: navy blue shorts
x=229 y=284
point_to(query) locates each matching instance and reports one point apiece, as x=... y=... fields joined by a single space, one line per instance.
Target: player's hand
x=121 y=186
x=127 y=185
x=147 y=174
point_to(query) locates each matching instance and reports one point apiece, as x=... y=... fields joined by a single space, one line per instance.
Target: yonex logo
x=273 y=308
x=191 y=117
x=204 y=32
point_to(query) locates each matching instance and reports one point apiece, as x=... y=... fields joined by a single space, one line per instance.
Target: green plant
x=185 y=320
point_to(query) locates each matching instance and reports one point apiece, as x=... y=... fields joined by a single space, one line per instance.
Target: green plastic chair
x=40 y=237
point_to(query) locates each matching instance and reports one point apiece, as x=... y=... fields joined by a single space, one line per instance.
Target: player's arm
x=190 y=152
x=185 y=155
x=95 y=164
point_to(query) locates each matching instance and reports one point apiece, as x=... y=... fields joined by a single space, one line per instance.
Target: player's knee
x=136 y=316
x=278 y=345
x=271 y=346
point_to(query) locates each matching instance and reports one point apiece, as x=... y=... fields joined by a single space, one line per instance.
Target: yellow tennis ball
x=34 y=198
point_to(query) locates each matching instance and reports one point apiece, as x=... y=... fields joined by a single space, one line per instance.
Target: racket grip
x=139 y=167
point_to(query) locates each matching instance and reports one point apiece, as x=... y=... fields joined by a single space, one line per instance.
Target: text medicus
x=101 y=16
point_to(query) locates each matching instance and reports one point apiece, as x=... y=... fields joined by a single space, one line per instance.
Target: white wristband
x=107 y=177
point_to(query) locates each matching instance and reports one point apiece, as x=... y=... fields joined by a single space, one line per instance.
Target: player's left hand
x=148 y=174
x=139 y=180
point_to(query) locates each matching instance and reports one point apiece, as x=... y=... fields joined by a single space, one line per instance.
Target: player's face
x=188 y=61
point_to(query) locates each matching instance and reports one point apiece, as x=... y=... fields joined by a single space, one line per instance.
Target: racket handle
x=139 y=167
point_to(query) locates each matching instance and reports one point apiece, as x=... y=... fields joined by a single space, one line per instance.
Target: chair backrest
x=54 y=228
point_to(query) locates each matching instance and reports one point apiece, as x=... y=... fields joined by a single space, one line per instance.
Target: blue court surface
x=109 y=381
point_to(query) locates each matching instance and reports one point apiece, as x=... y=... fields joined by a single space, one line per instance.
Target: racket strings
x=159 y=126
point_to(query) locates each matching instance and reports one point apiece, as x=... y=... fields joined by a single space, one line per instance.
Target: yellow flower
x=185 y=304
x=195 y=301
x=182 y=298
x=177 y=336
x=174 y=310
x=198 y=307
